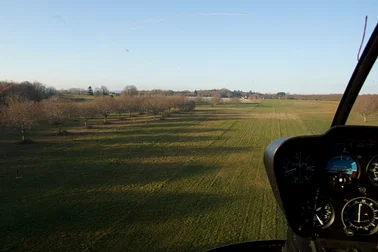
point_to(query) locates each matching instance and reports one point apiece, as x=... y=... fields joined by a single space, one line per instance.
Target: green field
x=188 y=183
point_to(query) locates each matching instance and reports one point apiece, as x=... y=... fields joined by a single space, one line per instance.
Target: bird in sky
x=127 y=50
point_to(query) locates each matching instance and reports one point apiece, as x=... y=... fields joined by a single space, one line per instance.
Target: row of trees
x=133 y=90
x=223 y=93
x=33 y=91
x=23 y=116
x=98 y=91
x=36 y=91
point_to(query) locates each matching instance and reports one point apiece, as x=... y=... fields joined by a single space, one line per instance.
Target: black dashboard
x=327 y=185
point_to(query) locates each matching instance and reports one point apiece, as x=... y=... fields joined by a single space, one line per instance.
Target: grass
x=192 y=182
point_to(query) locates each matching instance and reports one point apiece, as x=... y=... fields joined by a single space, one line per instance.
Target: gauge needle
x=290 y=170
x=359 y=213
x=318 y=209
x=320 y=221
x=300 y=165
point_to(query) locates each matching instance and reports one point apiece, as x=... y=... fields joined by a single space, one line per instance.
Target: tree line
x=24 y=115
x=37 y=91
x=103 y=90
x=34 y=91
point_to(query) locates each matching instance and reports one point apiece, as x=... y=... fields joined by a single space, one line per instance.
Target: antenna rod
x=364 y=65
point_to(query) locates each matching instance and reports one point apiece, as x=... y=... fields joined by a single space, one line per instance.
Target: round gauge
x=316 y=213
x=343 y=164
x=361 y=215
x=299 y=168
x=324 y=215
x=373 y=171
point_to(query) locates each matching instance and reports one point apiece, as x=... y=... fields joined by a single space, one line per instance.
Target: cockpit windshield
x=141 y=126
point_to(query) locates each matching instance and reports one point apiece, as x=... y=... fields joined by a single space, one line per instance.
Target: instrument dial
x=373 y=171
x=316 y=213
x=361 y=215
x=299 y=168
x=324 y=215
x=343 y=165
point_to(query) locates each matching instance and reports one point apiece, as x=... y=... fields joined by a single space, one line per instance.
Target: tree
x=102 y=91
x=188 y=105
x=20 y=116
x=12 y=98
x=229 y=94
x=169 y=92
x=97 y=93
x=130 y=90
x=139 y=102
x=174 y=102
x=124 y=104
x=198 y=99
x=25 y=90
x=156 y=92
x=281 y=95
x=121 y=105
x=155 y=104
x=216 y=99
x=129 y=103
x=366 y=105
x=90 y=90
x=235 y=101
x=86 y=110
x=78 y=91
x=105 y=106
x=57 y=111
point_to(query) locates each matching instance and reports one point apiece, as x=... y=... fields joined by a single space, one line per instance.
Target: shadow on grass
x=175 y=123
x=76 y=170
x=147 y=132
x=75 y=189
x=76 y=220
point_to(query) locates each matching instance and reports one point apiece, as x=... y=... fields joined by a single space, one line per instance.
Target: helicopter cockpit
x=327 y=185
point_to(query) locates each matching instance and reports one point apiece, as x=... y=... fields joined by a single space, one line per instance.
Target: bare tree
x=188 y=105
x=229 y=94
x=20 y=116
x=235 y=101
x=57 y=112
x=12 y=98
x=139 y=102
x=175 y=101
x=76 y=91
x=105 y=106
x=103 y=90
x=129 y=103
x=156 y=92
x=156 y=104
x=216 y=99
x=124 y=104
x=119 y=107
x=86 y=110
x=198 y=99
x=97 y=92
x=130 y=90
x=366 y=105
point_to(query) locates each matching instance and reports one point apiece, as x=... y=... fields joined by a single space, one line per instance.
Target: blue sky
x=265 y=46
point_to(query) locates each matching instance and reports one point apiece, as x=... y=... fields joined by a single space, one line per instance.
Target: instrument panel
x=327 y=185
